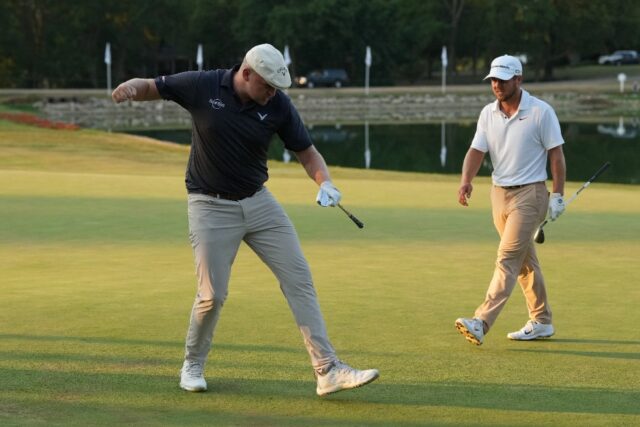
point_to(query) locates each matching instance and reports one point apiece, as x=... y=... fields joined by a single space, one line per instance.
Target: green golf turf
x=96 y=285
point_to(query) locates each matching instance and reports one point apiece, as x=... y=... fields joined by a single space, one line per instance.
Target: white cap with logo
x=505 y=67
x=269 y=63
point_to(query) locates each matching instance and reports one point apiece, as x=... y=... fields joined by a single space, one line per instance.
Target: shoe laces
x=193 y=368
x=530 y=325
x=339 y=367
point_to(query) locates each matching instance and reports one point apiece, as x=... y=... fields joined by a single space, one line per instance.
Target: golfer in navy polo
x=235 y=113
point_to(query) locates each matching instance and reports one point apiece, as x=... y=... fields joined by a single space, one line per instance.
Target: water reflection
x=621 y=131
x=443 y=144
x=441 y=147
x=367 y=149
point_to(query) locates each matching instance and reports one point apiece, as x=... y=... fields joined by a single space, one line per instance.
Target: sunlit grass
x=97 y=281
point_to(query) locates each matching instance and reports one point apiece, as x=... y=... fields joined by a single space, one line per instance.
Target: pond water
x=440 y=147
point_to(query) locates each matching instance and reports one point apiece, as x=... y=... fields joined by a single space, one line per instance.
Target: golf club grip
x=602 y=169
x=352 y=217
x=356 y=221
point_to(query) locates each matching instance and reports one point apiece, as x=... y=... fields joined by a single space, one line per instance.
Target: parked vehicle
x=620 y=57
x=335 y=77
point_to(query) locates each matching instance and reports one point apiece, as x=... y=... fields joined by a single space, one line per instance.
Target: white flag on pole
x=287 y=57
x=443 y=56
x=107 y=54
x=199 y=54
x=367 y=61
x=199 y=59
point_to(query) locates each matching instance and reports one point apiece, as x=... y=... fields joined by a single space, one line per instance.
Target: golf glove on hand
x=328 y=194
x=556 y=206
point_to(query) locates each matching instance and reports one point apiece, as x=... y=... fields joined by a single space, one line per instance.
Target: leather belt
x=232 y=196
x=513 y=187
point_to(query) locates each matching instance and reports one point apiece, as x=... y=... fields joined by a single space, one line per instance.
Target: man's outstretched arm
x=136 y=90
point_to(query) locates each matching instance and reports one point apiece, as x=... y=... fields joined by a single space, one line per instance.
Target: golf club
x=538 y=237
x=350 y=215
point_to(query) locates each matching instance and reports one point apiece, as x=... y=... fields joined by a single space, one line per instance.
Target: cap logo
x=506 y=67
x=282 y=70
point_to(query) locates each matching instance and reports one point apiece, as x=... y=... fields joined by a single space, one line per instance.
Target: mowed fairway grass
x=97 y=282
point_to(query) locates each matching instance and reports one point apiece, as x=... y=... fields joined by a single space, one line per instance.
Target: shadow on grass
x=600 y=354
x=603 y=354
x=50 y=386
x=217 y=346
x=506 y=397
x=594 y=341
x=74 y=413
x=155 y=343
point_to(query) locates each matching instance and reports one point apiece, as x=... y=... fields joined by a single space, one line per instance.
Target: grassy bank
x=97 y=283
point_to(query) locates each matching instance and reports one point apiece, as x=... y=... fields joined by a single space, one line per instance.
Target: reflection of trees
x=411 y=147
x=585 y=149
x=416 y=148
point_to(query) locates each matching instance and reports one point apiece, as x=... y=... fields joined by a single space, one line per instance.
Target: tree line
x=60 y=43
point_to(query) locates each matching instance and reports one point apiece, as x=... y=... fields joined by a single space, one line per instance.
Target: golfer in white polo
x=520 y=132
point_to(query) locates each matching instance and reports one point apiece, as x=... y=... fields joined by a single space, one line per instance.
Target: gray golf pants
x=216 y=228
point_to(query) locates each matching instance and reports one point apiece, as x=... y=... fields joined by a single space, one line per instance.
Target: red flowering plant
x=33 y=120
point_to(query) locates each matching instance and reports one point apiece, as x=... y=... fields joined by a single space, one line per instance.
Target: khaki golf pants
x=517 y=213
x=216 y=229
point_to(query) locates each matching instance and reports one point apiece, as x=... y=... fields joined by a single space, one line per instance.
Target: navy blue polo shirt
x=230 y=140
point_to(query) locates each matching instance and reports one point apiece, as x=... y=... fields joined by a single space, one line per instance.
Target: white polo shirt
x=518 y=145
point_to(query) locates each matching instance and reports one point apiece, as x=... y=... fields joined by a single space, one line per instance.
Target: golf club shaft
x=572 y=198
x=350 y=215
x=589 y=181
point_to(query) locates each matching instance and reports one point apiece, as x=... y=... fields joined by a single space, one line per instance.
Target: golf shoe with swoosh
x=343 y=377
x=472 y=329
x=192 y=376
x=532 y=330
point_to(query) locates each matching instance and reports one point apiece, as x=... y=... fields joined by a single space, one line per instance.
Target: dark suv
x=335 y=77
x=620 y=57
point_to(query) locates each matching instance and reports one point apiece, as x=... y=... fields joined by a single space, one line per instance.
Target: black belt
x=513 y=187
x=232 y=196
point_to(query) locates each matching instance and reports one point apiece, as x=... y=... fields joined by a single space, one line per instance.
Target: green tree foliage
x=60 y=43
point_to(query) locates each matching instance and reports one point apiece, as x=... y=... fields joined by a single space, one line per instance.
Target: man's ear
x=245 y=74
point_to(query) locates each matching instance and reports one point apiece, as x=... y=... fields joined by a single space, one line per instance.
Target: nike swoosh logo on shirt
x=522 y=118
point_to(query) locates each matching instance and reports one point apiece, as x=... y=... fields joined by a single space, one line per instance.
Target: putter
x=350 y=215
x=538 y=237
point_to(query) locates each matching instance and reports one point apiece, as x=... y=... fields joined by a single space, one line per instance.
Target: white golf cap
x=269 y=63
x=504 y=68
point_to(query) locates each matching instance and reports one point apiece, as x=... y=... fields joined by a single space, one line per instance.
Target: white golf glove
x=328 y=194
x=556 y=206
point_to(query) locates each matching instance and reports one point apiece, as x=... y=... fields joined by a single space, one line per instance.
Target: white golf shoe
x=192 y=376
x=532 y=330
x=472 y=329
x=342 y=377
